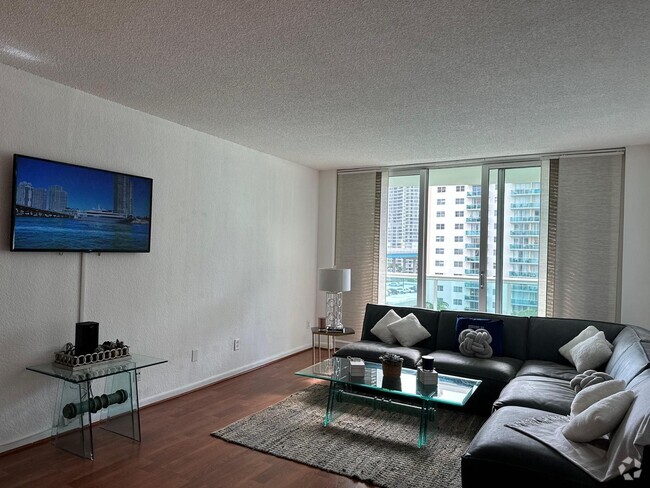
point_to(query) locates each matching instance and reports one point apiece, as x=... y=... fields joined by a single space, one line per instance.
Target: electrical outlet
x=137 y=376
x=195 y=355
x=235 y=345
x=309 y=324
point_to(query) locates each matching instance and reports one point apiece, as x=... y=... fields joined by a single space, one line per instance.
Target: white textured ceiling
x=334 y=84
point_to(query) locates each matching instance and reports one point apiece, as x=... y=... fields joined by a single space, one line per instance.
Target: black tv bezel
x=12 y=248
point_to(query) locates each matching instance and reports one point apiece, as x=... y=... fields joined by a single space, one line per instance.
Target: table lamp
x=334 y=281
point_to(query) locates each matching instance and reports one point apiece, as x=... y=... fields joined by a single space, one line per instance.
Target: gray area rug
x=372 y=446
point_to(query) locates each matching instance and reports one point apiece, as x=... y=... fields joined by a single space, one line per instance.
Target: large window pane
x=453 y=238
x=520 y=243
x=402 y=235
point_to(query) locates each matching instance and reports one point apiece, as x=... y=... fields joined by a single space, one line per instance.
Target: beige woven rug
x=372 y=446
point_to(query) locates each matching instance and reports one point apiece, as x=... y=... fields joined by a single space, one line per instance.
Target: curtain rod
x=499 y=159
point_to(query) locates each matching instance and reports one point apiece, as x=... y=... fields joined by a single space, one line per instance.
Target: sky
x=87 y=188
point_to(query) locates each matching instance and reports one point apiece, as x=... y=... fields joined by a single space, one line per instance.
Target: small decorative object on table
x=357 y=366
x=426 y=373
x=391 y=364
x=68 y=359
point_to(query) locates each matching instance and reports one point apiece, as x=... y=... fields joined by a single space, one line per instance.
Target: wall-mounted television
x=70 y=208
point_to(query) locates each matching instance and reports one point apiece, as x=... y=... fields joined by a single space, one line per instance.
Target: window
x=441 y=288
x=457 y=301
x=461 y=225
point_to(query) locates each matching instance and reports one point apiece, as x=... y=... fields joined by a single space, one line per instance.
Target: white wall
x=635 y=306
x=233 y=252
x=326 y=228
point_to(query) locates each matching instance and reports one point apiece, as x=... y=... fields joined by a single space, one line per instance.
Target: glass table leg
x=72 y=426
x=122 y=415
x=331 y=412
x=425 y=413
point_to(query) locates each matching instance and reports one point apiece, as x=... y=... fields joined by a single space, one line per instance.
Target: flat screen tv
x=70 y=208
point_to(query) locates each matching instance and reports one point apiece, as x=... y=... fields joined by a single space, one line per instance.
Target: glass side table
x=331 y=340
x=72 y=427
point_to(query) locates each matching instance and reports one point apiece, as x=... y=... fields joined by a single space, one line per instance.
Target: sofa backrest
x=428 y=319
x=515 y=330
x=631 y=355
x=547 y=334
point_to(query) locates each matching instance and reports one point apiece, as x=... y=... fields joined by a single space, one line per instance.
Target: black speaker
x=86 y=338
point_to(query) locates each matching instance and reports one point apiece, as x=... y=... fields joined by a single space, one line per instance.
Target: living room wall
x=233 y=253
x=635 y=267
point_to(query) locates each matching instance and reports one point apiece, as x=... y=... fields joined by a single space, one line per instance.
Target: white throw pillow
x=584 y=335
x=587 y=397
x=381 y=328
x=592 y=353
x=599 y=419
x=408 y=331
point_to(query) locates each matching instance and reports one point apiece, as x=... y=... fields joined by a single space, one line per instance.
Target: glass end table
x=331 y=335
x=118 y=406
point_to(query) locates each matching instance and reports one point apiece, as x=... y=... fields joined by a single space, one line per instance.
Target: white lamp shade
x=334 y=279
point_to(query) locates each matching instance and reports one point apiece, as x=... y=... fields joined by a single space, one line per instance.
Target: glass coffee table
x=404 y=394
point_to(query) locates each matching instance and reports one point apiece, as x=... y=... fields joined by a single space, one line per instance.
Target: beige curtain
x=584 y=236
x=358 y=243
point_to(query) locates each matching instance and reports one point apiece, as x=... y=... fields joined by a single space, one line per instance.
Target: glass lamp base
x=333 y=311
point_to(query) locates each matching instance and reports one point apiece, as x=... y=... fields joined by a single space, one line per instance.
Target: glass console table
x=118 y=406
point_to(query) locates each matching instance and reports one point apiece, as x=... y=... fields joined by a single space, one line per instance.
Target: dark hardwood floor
x=177 y=449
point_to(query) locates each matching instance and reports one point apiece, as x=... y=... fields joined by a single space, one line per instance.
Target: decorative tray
x=75 y=363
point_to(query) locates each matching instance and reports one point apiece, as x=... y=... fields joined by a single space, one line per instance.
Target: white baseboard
x=39 y=436
x=219 y=377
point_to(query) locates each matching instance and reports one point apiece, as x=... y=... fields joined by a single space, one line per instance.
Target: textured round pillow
x=475 y=343
x=588 y=378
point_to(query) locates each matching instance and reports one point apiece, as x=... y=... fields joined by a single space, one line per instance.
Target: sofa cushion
x=549 y=369
x=509 y=458
x=428 y=319
x=601 y=418
x=589 y=378
x=585 y=334
x=408 y=331
x=546 y=335
x=590 y=395
x=591 y=353
x=494 y=328
x=495 y=368
x=629 y=357
x=371 y=350
x=380 y=329
x=629 y=440
x=538 y=392
x=515 y=330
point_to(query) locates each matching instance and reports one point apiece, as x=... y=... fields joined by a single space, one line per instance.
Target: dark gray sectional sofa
x=531 y=378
